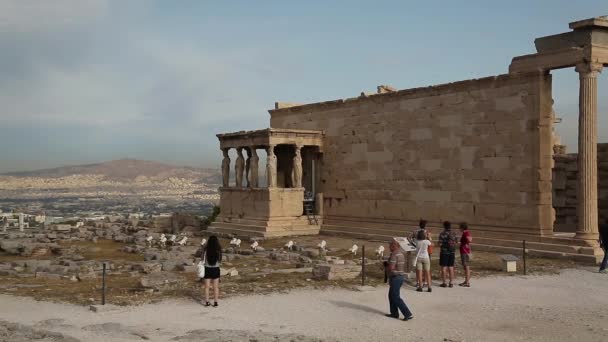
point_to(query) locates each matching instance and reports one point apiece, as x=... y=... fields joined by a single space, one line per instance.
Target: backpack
x=448 y=242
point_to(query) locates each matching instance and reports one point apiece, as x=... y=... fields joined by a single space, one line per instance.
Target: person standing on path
x=420 y=281
x=604 y=244
x=396 y=271
x=212 y=255
x=423 y=260
x=447 y=255
x=465 y=253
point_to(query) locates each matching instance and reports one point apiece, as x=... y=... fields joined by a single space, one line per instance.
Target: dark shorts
x=465 y=259
x=447 y=260
x=212 y=273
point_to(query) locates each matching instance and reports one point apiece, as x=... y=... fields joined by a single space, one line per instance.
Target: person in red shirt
x=465 y=253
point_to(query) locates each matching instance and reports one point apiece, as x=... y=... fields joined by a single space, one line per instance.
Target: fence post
x=103 y=285
x=363 y=266
x=524 y=257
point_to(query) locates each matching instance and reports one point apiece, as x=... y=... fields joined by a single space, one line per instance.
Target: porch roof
x=272 y=136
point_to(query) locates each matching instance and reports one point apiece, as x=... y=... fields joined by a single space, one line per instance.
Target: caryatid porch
x=269 y=203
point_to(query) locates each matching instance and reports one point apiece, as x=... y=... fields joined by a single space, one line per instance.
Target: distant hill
x=125 y=170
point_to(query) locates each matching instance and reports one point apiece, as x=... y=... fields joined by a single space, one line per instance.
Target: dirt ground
x=569 y=306
x=124 y=289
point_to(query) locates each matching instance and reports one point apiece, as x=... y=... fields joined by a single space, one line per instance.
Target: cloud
x=34 y=16
x=79 y=66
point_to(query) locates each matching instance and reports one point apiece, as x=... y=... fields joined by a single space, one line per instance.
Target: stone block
x=421 y=134
x=335 y=272
x=430 y=164
x=509 y=263
x=47 y=275
x=151 y=267
x=496 y=163
x=34 y=265
x=169 y=265
x=231 y=272
x=159 y=280
x=189 y=268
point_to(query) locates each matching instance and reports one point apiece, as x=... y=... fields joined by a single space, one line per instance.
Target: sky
x=84 y=81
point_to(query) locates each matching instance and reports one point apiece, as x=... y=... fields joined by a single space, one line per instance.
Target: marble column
x=253 y=168
x=225 y=168
x=239 y=167
x=271 y=167
x=296 y=171
x=587 y=215
x=247 y=167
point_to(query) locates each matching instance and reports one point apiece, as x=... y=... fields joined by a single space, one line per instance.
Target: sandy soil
x=571 y=306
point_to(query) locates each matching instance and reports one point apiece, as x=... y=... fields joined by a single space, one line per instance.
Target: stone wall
x=564 y=188
x=261 y=203
x=478 y=151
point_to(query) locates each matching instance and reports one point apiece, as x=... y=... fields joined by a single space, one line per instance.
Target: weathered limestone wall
x=263 y=212
x=478 y=151
x=564 y=188
x=261 y=203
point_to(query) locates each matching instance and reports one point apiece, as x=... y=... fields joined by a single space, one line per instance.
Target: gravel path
x=566 y=307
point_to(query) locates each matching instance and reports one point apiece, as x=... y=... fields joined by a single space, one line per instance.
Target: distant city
x=126 y=188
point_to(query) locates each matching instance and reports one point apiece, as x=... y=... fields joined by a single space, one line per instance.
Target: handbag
x=200 y=269
x=430 y=249
x=416 y=258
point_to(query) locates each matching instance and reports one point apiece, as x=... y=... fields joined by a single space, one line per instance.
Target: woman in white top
x=423 y=260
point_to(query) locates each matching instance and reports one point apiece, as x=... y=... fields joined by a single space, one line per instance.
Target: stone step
x=239 y=226
x=256 y=231
x=558 y=248
x=511 y=246
x=235 y=231
x=272 y=230
x=265 y=222
x=295 y=231
x=367 y=230
x=558 y=245
x=398 y=225
x=331 y=230
x=593 y=259
x=559 y=238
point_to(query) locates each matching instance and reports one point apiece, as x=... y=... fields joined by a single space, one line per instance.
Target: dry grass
x=104 y=250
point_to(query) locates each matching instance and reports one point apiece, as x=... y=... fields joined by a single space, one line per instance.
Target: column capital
x=589 y=69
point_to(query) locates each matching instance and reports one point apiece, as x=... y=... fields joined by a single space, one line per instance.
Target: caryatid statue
x=225 y=168
x=247 y=168
x=239 y=167
x=271 y=167
x=296 y=173
x=253 y=168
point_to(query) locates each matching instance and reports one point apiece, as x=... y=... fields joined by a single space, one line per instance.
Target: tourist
x=395 y=268
x=604 y=244
x=447 y=254
x=427 y=233
x=423 y=260
x=465 y=253
x=421 y=227
x=212 y=257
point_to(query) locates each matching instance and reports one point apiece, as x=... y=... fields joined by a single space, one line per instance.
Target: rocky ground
x=66 y=266
x=569 y=306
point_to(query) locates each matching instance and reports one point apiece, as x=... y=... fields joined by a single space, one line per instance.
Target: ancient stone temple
x=480 y=151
